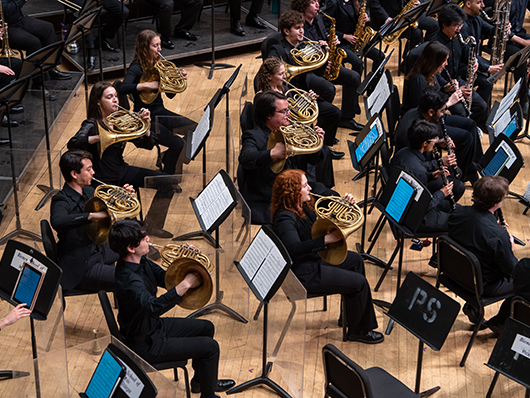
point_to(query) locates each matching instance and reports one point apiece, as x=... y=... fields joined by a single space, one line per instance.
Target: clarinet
x=444 y=177
x=450 y=150
x=503 y=224
x=462 y=100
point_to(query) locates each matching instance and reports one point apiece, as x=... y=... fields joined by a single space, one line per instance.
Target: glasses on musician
x=283 y=111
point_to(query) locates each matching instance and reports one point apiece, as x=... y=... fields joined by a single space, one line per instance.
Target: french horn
x=309 y=55
x=302 y=107
x=299 y=139
x=180 y=260
x=170 y=78
x=117 y=202
x=334 y=213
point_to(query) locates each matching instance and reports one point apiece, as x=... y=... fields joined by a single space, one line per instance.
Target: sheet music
x=105 y=377
x=378 y=98
x=257 y=251
x=201 y=131
x=131 y=383
x=213 y=201
x=19 y=258
x=507 y=101
x=399 y=200
x=269 y=271
x=501 y=124
x=376 y=131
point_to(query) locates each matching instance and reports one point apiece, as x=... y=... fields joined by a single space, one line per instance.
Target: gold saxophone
x=336 y=54
x=6 y=52
x=389 y=40
x=363 y=33
x=168 y=75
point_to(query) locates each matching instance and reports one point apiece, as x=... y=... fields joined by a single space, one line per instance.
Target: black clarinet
x=462 y=100
x=450 y=150
x=445 y=181
x=503 y=224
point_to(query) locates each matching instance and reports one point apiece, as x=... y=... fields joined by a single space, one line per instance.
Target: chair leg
x=492 y=385
x=325 y=303
x=344 y=319
x=186 y=380
x=471 y=341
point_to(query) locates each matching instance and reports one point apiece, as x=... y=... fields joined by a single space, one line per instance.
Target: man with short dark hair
x=152 y=337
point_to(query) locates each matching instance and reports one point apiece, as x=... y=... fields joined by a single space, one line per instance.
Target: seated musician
x=476 y=229
x=451 y=19
x=152 y=337
x=9 y=71
x=462 y=131
x=415 y=160
x=111 y=167
x=85 y=266
x=19 y=312
x=270 y=113
x=350 y=80
x=146 y=54
x=346 y=14
x=293 y=215
x=476 y=26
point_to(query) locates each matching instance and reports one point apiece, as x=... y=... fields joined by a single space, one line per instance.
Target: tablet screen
x=28 y=285
x=105 y=378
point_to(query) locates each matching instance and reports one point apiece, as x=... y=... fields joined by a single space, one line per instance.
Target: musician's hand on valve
x=366 y=18
x=466 y=92
x=333 y=237
x=129 y=188
x=279 y=151
x=495 y=68
x=146 y=114
x=323 y=43
x=148 y=85
x=313 y=95
x=320 y=132
x=475 y=66
x=190 y=281
x=184 y=73
x=349 y=197
x=336 y=41
x=454 y=98
x=449 y=160
x=99 y=215
x=447 y=189
x=350 y=38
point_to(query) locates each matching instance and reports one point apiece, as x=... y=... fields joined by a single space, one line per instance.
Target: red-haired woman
x=292 y=210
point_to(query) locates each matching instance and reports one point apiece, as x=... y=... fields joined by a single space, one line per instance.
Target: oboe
x=462 y=100
x=450 y=150
x=502 y=223
x=445 y=181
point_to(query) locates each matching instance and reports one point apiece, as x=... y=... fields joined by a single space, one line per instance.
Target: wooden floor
x=241 y=344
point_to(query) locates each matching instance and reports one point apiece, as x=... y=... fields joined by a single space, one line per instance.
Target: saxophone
x=389 y=40
x=471 y=59
x=363 y=33
x=336 y=55
x=502 y=18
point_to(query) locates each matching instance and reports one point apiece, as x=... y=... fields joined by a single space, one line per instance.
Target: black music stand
x=502 y=158
x=509 y=124
x=418 y=307
x=12 y=95
x=373 y=77
x=212 y=64
x=11 y=265
x=510 y=65
x=264 y=271
x=40 y=62
x=378 y=38
x=79 y=29
x=377 y=98
x=407 y=19
x=436 y=6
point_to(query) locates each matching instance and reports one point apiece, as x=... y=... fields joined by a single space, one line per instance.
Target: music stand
x=418 y=307
x=264 y=266
x=377 y=99
x=40 y=62
x=509 y=124
x=502 y=158
x=79 y=29
x=373 y=77
x=212 y=64
x=511 y=64
x=436 y=6
x=408 y=18
x=10 y=96
x=378 y=37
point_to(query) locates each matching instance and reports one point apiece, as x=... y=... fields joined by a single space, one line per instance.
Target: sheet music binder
x=367 y=143
x=495 y=129
x=106 y=378
x=197 y=138
x=265 y=264
x=218 y=188
x=502 y=158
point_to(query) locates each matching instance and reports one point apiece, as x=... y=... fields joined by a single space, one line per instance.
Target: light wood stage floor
x=398 y=352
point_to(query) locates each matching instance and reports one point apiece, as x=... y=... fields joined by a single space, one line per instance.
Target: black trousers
x=468 y=149
x=100 y=272
x=357 y=63
x=328 y=118
x=189 y=13
x=235 y=9
x=348 y=279
x=31 y=34
x=181 y=339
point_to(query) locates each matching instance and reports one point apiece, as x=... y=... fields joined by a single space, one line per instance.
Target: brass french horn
x=339 y=214
x=302 y=107
x=299 y=139
x=309 y=55
x=170 y=78
x=117 y=202
x=180 y=260
x=122 y=125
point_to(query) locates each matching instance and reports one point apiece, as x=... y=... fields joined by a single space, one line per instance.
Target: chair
x=459 y=270
x=246 y=119
x=271 y=40
x=346 y=379
x=115 y=331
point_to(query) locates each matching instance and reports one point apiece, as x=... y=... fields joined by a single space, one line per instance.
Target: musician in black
x=346 y=14
x=462 y=131
x=451 y=19
x=417 y=161
x=350 y=80
x=251 y=20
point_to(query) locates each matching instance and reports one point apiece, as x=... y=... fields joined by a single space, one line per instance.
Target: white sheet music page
x=501 y=124
x=213 y=201
x=507 y=101
x=384 y=92
x=200 y=131
x=269 y=271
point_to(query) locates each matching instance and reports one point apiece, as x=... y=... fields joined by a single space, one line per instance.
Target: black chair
x=246 y=119
x=115 y=332
x=459 y=271
x=346 y=379
x=271 y=40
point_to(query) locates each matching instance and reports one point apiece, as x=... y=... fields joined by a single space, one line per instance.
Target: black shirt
x=456 y=64
x=477 y=231
x=476 y=26
x=139 y=307
x=12 y=10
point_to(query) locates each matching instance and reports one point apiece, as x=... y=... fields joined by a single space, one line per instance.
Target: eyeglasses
x=283 y=111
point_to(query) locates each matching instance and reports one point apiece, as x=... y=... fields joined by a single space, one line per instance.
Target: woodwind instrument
x=391 y=39
x=336 y=54
x=471 y=59
x=363 y=33
x=504 y=225
x=450 y=150
x=170 y=78
x=302 y=107
x=453 y=84
x=445 y=180
x=6 y=51
x=500 y=37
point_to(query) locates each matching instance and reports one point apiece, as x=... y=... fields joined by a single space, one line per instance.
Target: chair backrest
x=393 y=112
x=246 y=119
x=48 y=240
x=413 y=55
x=460 y=265
x=344 y=378
x=271 y=40
x=109 y=316
x=122 y=98
x=521 y=309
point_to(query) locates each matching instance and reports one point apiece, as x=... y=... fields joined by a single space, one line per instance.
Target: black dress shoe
x=159 y=233
x=335 y=155
x=91 y=63
x=13 y=123
x=167 y=44
x=236 y=29
x=184 y=34
x=350 y=124
x=253 y=20
x=37 y=92
x=56 y=74
x=472 y=315
x=17 y=109
x=222 y=385
x=106 y=46
x=371 y=337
